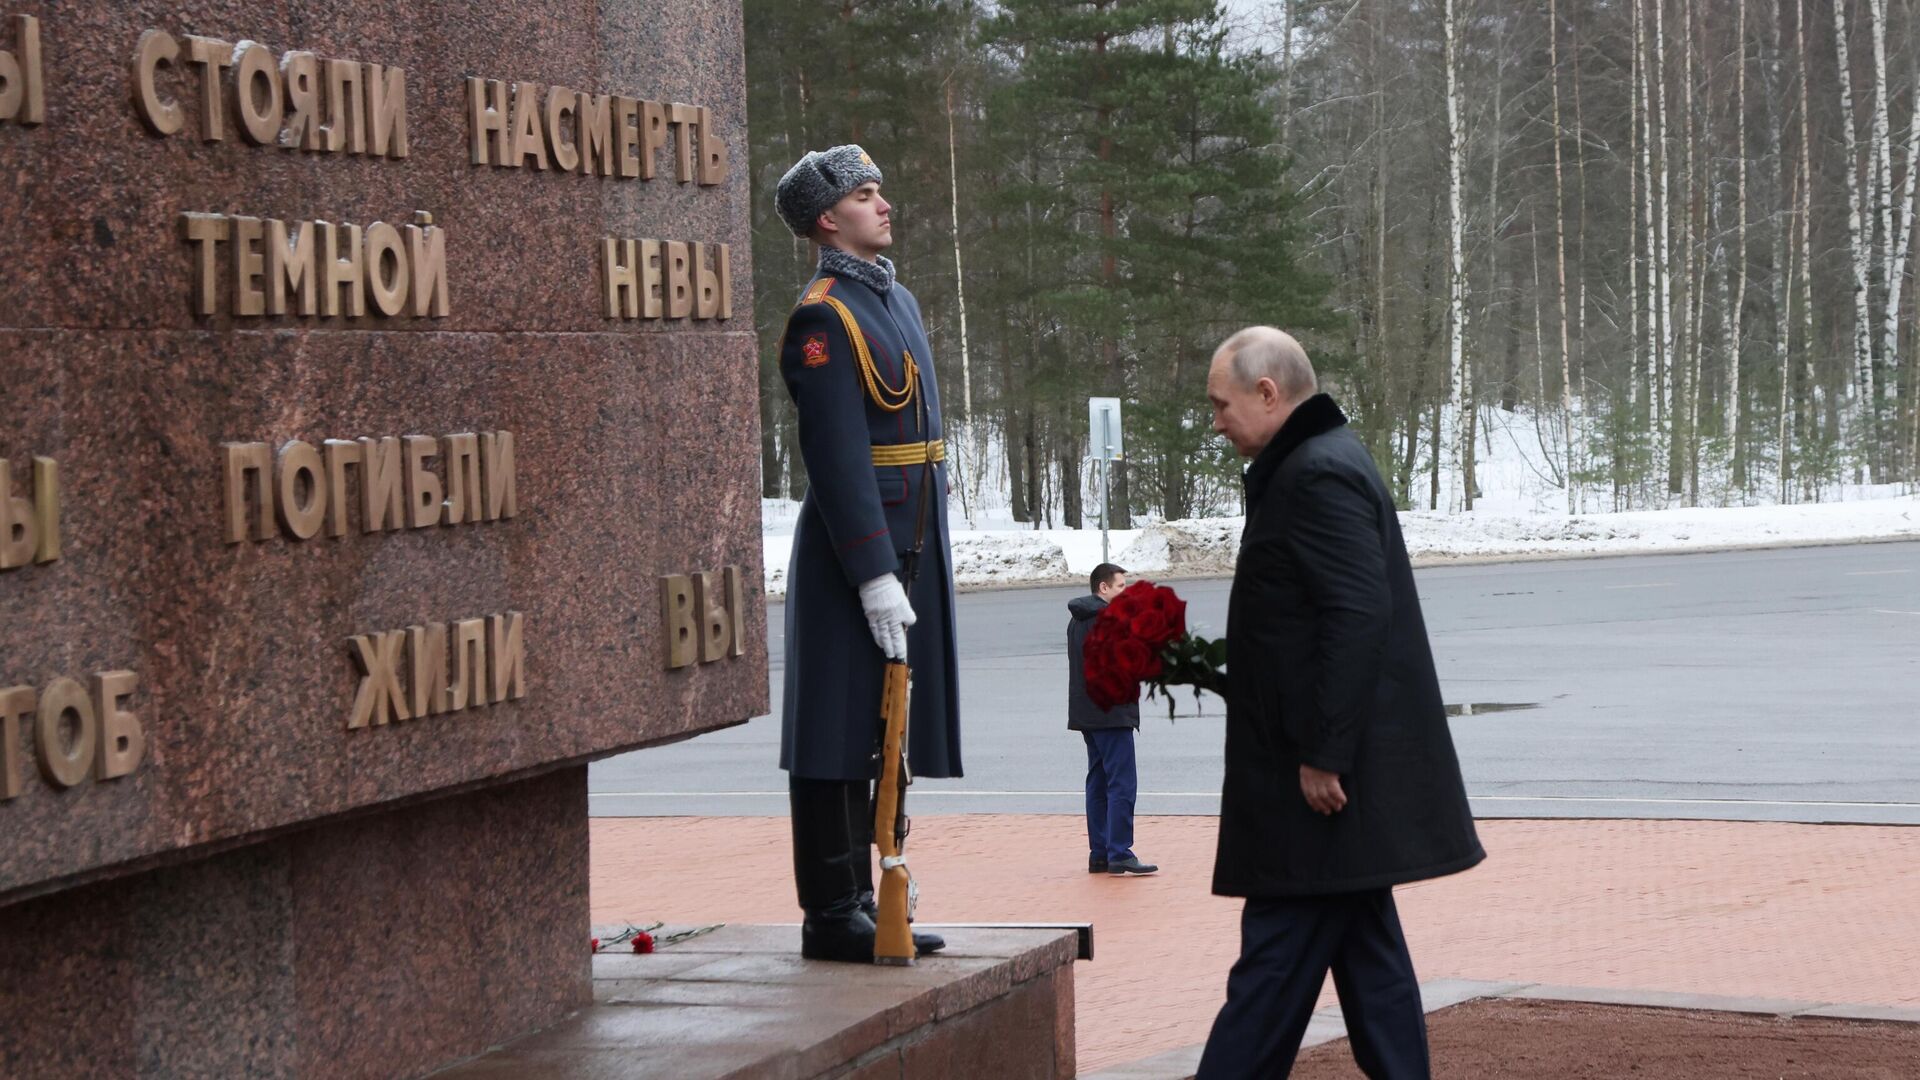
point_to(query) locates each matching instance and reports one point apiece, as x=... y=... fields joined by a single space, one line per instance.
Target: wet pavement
x=1758 y=909
x=1771 y=685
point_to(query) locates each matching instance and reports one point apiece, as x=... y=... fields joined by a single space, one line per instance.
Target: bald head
x=1258 y=377
x=1262 y=352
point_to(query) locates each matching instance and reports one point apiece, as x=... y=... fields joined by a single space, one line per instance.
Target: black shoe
x=845 y=936
x=922 y=943
x=1131 y=865
x=1096 y=865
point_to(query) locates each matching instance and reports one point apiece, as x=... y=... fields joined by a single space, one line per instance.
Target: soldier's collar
x=876 y=275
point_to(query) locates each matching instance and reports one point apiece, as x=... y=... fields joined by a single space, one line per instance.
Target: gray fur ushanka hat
x=819 y=180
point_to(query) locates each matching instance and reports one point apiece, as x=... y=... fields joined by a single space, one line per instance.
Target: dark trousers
x=1111 y=787
x=832 y=842
x=1286 y=949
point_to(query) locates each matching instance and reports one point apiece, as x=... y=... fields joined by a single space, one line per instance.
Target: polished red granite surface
x=382 y=946
x=636 y=442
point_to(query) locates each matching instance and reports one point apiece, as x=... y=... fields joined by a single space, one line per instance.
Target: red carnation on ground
x=642 y=942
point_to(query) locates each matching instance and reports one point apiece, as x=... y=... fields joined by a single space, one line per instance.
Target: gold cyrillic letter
x=528 y=142
x=625 y=115
x=156 y=47
x=213 y=56
x=561 y=103
x=713 y=152
x=463 y=478
x=496 y=461
x=653 y=126
x=679 y=280
x=25 y=98
x=710 y=602
x=204 y=232
x=346 y=106
x=428 y=651
x=299 y=467
x=507 y=656
x=487 y=120
x=469 y=687
x=423 y=487
x=387 y=111
x=736 y=604
x=387 y=276
x=16 y=704
x=46 y=508
x=340 y=453
x=683 y=118
x=19 y=524
x=676 y=609
x=427 y=255
x=65 y=762
x=241 y=461
x=381 y=500
x=300 y=73
x=249 y=296
x=256 y=93
x=290 y=269
x=596 y=142
x=706 y=287
x=652 y=304
x=617 y=273
x=378 y=700
x=122 y=741
x=340 y=271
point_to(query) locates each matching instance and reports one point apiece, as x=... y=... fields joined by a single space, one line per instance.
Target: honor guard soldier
x=857 y=364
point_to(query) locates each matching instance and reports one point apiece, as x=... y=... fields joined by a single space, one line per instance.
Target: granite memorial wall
x=378 y=445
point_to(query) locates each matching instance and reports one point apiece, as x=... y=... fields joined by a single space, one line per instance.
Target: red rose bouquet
x=1141 y=639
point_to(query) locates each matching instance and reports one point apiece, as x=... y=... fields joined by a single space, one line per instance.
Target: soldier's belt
x=918 y=453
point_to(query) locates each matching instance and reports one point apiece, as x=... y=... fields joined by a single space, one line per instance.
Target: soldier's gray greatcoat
x=856 y=523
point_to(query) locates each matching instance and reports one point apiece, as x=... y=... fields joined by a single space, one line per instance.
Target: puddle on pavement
x=1479 y=708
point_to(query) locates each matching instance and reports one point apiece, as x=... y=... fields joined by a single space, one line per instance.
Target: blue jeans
x=1111 y=787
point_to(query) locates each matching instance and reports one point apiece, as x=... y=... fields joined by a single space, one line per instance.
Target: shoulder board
x=817 y=291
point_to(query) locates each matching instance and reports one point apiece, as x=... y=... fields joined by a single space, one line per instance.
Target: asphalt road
x=1769 y=685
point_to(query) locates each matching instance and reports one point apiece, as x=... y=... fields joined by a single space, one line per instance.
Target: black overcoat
x=1328 y=664
x=857 y=523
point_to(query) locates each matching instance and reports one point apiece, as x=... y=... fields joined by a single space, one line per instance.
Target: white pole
x=1103 y=510
x=1106 y=456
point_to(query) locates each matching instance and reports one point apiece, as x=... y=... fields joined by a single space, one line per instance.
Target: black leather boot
x=835 y=927
x=860 y=843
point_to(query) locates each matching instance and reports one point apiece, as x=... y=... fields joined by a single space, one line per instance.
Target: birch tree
x=1460 y=396
x=1560 y=259
x=1735 y=325
x=1862 y=387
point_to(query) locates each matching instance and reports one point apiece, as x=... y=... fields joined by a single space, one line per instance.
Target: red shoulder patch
x=816 y=350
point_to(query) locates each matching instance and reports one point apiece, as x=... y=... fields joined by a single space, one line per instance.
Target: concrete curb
x=1327 y=1024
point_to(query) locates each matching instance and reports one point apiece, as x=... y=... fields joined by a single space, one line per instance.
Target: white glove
x=888 y=614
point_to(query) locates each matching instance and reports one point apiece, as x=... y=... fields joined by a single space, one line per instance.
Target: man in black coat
x=1112 y=783
x=1341 y=780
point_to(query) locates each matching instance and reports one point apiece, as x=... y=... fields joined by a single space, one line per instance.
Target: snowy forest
x=1671 y=240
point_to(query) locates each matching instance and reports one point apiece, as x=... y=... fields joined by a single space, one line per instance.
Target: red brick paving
x=1808 y=912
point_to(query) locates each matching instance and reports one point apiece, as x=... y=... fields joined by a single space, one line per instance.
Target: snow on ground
x=1520 y=513
x=995 y=558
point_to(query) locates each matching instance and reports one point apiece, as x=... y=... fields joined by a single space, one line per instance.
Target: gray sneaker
x=1131 y=866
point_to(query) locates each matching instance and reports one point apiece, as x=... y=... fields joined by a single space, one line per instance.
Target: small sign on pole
x=1104 y=447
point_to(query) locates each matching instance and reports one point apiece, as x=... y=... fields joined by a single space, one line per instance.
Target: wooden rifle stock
x=893 y=942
